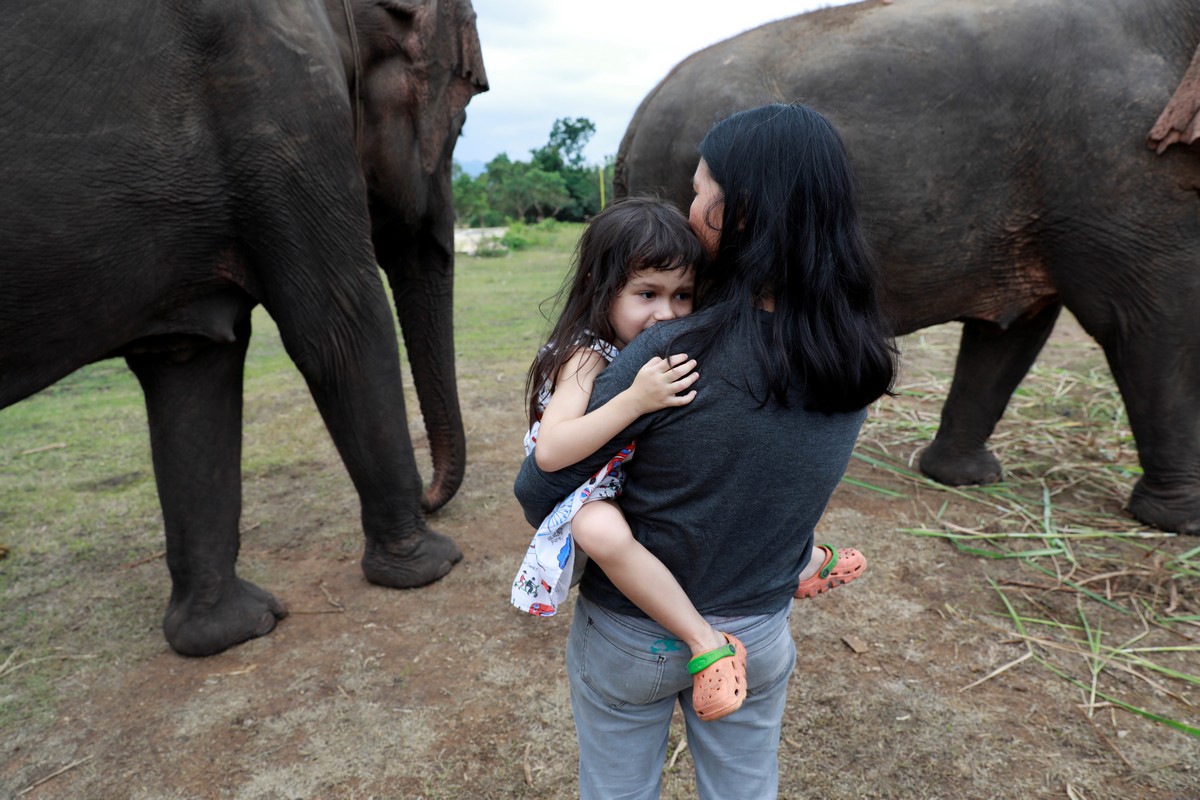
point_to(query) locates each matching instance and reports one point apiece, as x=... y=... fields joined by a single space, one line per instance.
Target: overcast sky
x=547 y=59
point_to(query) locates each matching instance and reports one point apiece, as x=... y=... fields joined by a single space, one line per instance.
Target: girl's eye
x=647 y=295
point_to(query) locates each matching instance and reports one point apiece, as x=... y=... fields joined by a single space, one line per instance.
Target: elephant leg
x=1160 y=385
x=194 y=404
x=991 y=363
x=343 y=339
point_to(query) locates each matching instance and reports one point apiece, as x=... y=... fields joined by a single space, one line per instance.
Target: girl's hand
x=658 y=384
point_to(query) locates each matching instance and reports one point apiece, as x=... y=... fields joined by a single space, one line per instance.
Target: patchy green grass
x=494 y=320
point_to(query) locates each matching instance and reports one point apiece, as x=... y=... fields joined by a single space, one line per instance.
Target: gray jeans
x=626 y=673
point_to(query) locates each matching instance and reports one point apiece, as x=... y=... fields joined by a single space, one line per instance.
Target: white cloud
x=548 y=59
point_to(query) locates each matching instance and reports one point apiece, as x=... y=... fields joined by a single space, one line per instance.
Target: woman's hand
x=659 y=383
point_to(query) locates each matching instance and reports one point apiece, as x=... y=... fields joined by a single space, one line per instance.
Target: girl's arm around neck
x=568 y=435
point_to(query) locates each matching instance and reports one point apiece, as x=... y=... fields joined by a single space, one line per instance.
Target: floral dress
x=552 y=558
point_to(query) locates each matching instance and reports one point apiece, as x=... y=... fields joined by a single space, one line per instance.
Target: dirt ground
x=447 y=692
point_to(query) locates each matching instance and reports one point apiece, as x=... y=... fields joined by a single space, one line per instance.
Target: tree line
x=554 y=184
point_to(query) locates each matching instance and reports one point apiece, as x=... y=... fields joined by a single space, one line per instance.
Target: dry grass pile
x=1108 y=605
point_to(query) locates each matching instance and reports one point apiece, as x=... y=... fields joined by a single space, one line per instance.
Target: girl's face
x=648 y=297
x=707 y=208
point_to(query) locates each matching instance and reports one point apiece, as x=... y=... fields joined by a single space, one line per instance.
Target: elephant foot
x=407 y=563
x=952 y=468
x=1177 y=511
x=198 y=625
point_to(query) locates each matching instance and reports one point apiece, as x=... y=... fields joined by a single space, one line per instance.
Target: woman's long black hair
x=633 y=234
x=791 y=236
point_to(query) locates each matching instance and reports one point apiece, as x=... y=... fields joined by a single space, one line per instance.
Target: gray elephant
x=166 y=167
x=1001 y=148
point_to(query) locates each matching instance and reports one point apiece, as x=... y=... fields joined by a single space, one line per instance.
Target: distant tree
x=556 y=182
x=549 y=194
x=563 y=154
x=570 y=136
x=471 y=206
x=522 y=191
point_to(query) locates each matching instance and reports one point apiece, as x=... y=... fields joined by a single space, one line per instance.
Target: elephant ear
x=1180 y=120
x=470 y=54
x=444 y=35
x=465 y=56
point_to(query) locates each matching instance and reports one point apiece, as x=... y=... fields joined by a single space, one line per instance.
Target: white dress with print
x=544 y=579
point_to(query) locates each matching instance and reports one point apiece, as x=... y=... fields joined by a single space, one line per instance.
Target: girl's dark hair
x=633 y=234
x=790 y=235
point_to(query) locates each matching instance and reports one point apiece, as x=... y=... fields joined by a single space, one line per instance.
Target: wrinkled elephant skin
x=1001 y=147
x=169 y=166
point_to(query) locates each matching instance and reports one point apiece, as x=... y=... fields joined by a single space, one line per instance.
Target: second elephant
x=1001 y=148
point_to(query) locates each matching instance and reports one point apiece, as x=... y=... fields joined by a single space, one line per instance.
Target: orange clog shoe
x=840 y=567
x=719 y=680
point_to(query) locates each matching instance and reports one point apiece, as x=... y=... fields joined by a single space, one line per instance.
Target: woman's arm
x=568 y=435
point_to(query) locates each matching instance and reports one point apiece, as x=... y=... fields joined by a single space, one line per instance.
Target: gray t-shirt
x=725 y=491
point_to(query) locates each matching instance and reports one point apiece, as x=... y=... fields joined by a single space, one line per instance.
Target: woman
x=726 y=490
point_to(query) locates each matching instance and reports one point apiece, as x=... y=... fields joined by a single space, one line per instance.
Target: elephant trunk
x=420 y=269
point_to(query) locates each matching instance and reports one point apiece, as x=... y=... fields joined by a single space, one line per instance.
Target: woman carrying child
x=634 y=269
x=726 y=489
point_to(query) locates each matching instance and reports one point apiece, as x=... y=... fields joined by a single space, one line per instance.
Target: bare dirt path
x=447 y=692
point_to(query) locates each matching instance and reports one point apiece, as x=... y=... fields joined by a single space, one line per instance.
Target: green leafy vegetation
x=555 y=183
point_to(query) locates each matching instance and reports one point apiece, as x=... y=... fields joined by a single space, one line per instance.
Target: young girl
x=727 y=490
x=634 y=268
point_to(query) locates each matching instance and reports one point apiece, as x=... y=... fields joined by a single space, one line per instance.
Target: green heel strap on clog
x=833 y=559
x=706 y=660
